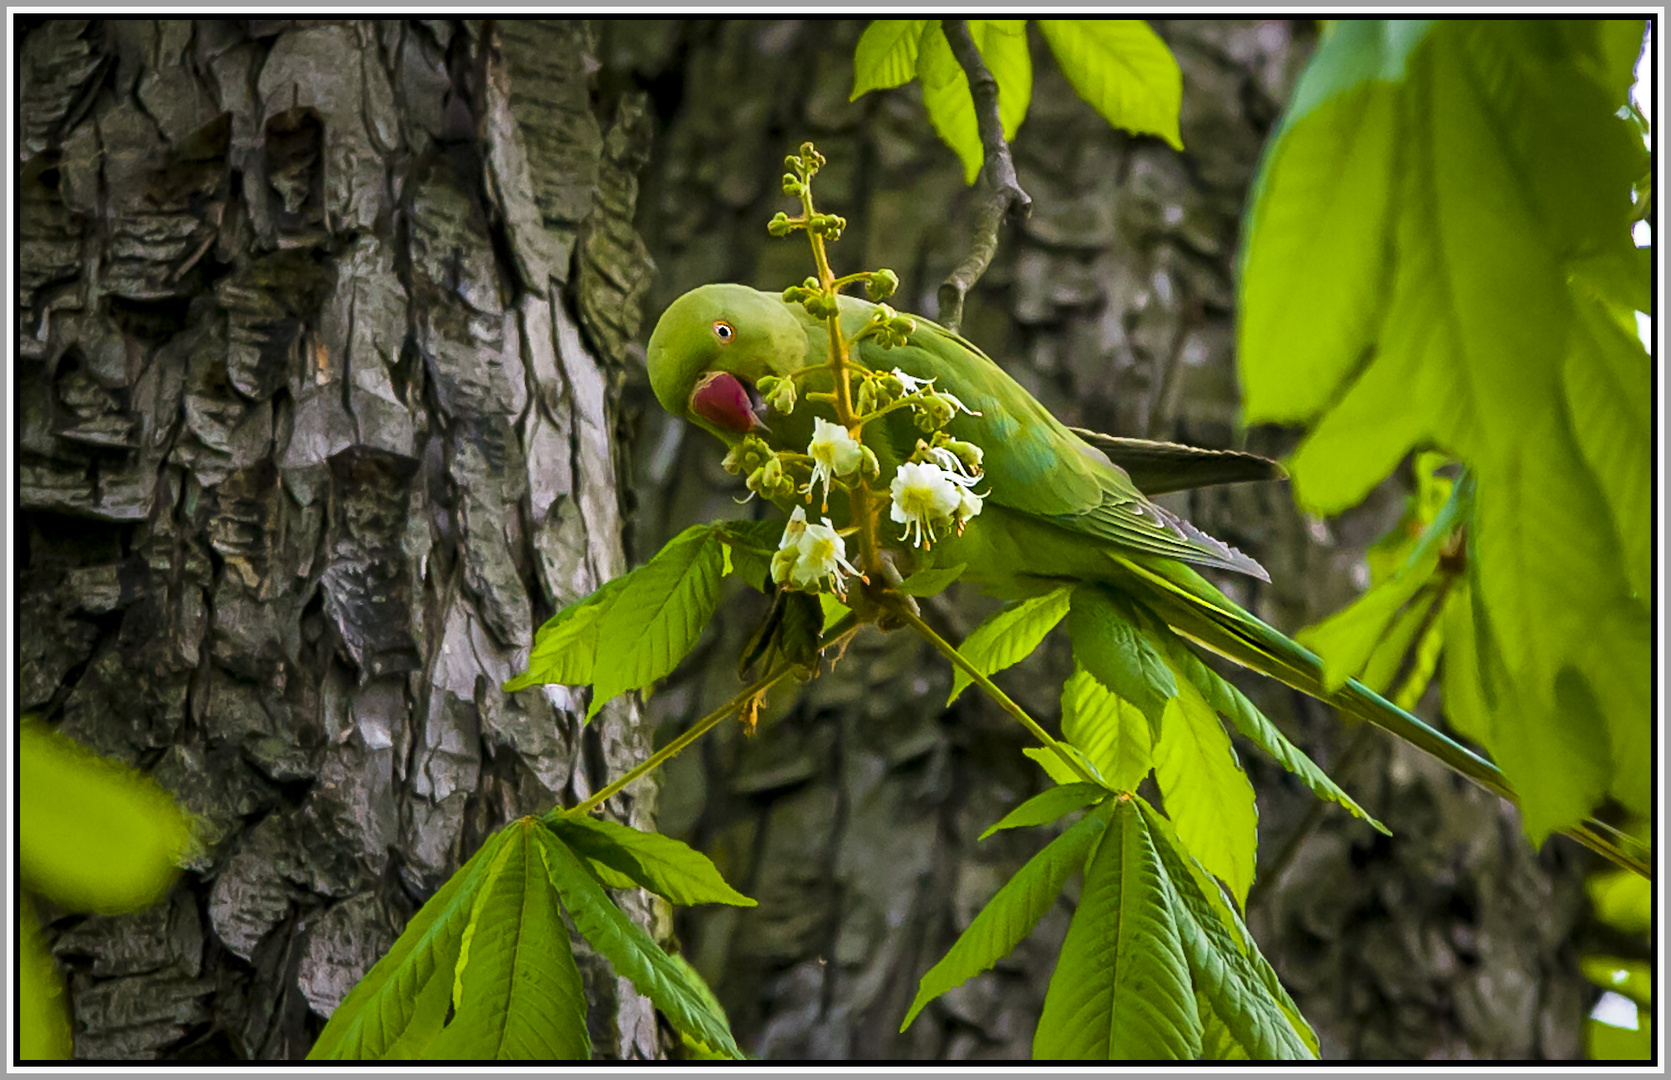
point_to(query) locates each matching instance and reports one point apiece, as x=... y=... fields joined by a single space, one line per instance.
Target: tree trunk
x=852 y=815
x=320 y=326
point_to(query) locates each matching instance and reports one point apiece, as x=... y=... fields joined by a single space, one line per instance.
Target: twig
x=998 y=168
x=838 y=634
x=950 y=653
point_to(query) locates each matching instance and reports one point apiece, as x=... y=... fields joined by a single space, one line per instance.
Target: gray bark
x=321 y=326
x=852 y=814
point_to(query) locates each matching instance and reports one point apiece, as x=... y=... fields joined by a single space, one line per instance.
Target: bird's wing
x=1160 y=467
x=1036 y=465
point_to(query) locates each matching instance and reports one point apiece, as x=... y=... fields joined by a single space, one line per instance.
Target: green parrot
x=1061 y=505
x=1059 y=499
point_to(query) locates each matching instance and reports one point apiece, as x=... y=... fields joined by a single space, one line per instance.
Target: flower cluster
x=927 y=498
x=834 y=453
x=763 y=466
x=809 y=554
x=931 y=493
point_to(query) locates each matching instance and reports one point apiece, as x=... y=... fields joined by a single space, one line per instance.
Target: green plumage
x=1062 y=506
x=1052 y=496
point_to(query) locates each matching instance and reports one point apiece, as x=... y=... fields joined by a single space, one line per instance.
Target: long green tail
x=1206 y=616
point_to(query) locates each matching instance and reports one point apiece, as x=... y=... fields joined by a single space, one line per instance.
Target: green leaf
x=1110 y=731
x=1605 y=1042
x=1220 y=964
x=1632 y=978
x=951 y=108
x=517 y=993
x=1533 y=577
x=1109 y=643
x=1010 y=635
x=1312 y=274
x=1123 y=70
x=1223 y=697
x=1121 y=990
x=1487 y=334
x=1049 y=805
x=1462 y=678
x=748 y=547
x=886 y=55
x=658 y=617
x=1207 y=795
x=566 y=647
x=43 y=1008
x=93 y=835
x=834 y=611
x=1012 y=912
x=1217 y=1041
x=632 y=953
x=1055 y=767
x=930 y=581
x=1623 y=900
x=1398 y=640
x=1613 y=50
x=693 y=981
x=397 y=1007
x=659 y=863
x=1608 y=379
x=1346 y=640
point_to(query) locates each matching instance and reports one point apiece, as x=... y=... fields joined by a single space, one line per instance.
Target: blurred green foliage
x=1120 y=67
x=1439 y=255
x=94 y=836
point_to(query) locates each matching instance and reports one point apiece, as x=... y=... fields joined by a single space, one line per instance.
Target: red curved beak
x=722 y=400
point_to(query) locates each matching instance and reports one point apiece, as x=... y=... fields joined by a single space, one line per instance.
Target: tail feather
x=1228 y=558
x=1198 y=611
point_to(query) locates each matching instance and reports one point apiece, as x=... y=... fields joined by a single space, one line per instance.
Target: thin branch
x=999 y=170
x=837 y=635
x=961 y=662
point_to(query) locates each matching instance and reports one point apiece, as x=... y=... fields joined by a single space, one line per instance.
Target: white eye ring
x=723 y=331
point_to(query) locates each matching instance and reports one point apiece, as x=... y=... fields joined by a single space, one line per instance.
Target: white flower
x=968 y=505
x=913 y=385
x=925 y=497
x=792 y=531
x=809 y=553
x=834 y=453
x=823 y=554
x=961 y=473
x=911 y=382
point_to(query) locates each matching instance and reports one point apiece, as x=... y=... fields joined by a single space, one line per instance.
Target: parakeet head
x=711 y=348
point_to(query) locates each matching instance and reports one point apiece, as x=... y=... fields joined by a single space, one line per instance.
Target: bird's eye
x=723 y=331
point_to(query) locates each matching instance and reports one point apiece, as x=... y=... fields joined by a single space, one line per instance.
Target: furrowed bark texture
x=852 y=814
x=321 y=325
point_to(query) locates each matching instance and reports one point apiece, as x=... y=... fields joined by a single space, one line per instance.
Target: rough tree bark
x=852 y=815
x=321 y=325
x=320 y=329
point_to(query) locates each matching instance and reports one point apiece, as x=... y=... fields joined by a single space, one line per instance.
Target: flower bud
x=864 y=399
x=966 y=452
x=881 y=284
x=783 y=561
x=934 y=412
x=791 y=185
x=779 y=225
x=869 y=467
x=779 y=393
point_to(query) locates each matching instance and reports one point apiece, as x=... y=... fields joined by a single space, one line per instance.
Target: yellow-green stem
x=842 y=631
x=992 y=691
